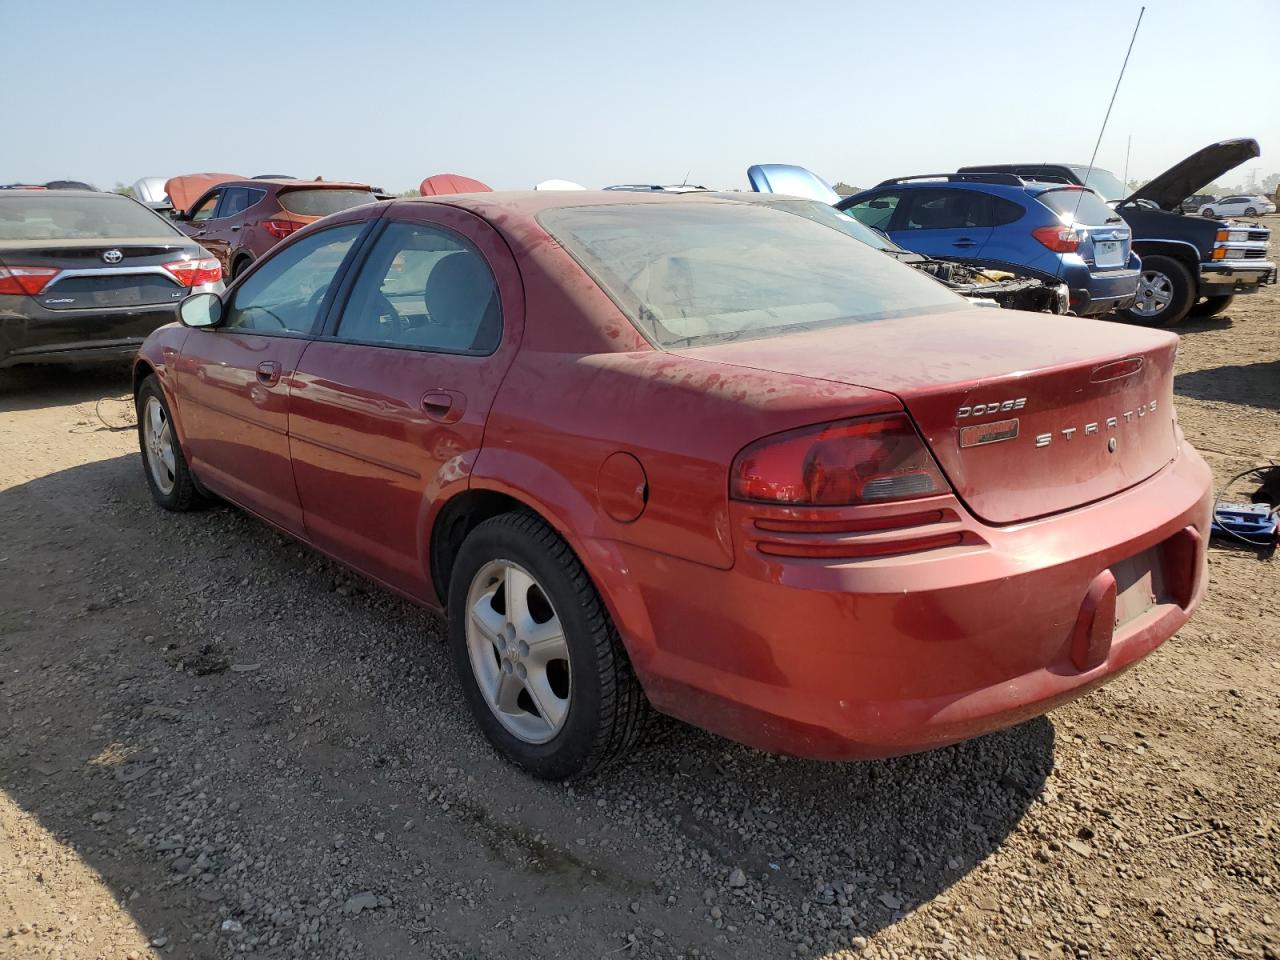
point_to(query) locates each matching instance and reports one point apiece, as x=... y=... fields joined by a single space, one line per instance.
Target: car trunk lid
x=1026 y=418
x=103 y=273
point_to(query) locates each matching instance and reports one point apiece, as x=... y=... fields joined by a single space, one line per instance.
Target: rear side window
x=1075 y=204
x=1005 y=211
x=875 y=212
x=48 y=215
x=424 y=287
x=946 y=210
x=322 y=202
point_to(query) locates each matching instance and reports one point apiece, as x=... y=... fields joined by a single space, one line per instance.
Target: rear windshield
x=688 y=273
x=49 y=215
x=1105 y=182
x=1074 y=204
x=322 y=202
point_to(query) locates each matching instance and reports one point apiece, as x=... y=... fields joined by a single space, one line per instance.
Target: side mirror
x=201 y=310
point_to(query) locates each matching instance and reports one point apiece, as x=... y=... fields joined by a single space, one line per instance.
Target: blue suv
x=1056 y=231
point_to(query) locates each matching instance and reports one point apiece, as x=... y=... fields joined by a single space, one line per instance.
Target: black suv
x=1189 y=264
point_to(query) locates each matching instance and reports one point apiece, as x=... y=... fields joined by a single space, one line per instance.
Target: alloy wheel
x=1155 y=292
x=158 y=440
x=518 y=652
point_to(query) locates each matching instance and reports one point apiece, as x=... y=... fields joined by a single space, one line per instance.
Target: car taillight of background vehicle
x=873 y=460
x=1058 y=239
x=26 y=281
x=280 y=228
x=195 y=273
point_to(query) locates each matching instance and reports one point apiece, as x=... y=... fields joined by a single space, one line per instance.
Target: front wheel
x=1166 y=291
x=170 y=479
x=1207 y=214
x=540 y=662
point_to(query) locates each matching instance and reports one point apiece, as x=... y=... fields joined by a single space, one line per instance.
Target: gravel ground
x=214 y=743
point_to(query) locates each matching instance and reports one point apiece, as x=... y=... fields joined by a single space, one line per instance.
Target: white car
x=1238 y=206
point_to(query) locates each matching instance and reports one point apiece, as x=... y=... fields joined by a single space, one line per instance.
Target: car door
x=389 y=407
x=202 y=223
x=234 y=379
x=946 y=223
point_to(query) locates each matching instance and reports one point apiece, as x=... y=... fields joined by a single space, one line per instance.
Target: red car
x=697 y=454
x=240 y=220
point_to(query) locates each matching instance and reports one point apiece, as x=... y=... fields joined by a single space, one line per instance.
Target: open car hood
x=446 y=183
x=1201 y=168
x=791 y=180
x=187 y=189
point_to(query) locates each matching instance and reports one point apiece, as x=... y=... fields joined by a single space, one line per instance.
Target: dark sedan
x=87 y=275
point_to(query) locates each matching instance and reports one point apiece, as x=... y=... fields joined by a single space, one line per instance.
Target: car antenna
x=686 y=177
x=1093 y=159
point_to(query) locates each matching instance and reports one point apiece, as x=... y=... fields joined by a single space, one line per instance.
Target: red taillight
x=25 y=280
x=195 y=273
x=870 y=460
x=1058 y=239
x=281 y=228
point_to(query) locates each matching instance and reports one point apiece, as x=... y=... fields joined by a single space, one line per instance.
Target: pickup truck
x=1190 y=265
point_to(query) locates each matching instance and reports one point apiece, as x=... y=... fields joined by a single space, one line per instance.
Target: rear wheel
x=540 y=662
x=1250 y=212
x=1212 y=306
x=1166 y=292
x=239 y=267
x=171 y=482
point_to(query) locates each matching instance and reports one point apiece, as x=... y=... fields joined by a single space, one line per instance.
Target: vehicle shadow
x=241 y=739
x=31 y=387
x=1252 y=384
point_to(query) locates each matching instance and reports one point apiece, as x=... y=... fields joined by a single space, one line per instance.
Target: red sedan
x=694 y=454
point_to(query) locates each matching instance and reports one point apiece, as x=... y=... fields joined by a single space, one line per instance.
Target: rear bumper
x=893 y=654
x=31 y=333
x=1097 y=293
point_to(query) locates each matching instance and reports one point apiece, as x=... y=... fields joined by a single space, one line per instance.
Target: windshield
x=689 y=273
x=1106 y=183
x=47 y=215
x=322 y=202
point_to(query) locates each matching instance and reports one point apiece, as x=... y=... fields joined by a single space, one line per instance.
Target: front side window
x=205 y=211
x=687 y=273
x=424 y=287
x=875 y=212
x=286 y=293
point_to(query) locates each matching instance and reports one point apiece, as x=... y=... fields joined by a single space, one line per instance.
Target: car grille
x=1263 y=235
x=1255 y=254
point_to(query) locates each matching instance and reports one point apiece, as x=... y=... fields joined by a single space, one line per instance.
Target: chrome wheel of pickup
x=1155 y=293
x=518 y=651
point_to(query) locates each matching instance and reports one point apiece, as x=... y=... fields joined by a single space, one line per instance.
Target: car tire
x=1211 y=306
x=239 y=267
x=1166 y=292
x=1207 y=213
x=548 y=680
x=1250 y=212
x=169 y=478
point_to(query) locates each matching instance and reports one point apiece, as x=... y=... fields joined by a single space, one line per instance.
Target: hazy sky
x=517 y=92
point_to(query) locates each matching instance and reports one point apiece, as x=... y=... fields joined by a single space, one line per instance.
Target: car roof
x=46 y=194
x=530 y=203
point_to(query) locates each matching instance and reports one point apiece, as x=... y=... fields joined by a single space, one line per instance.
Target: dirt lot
x=214 y=743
